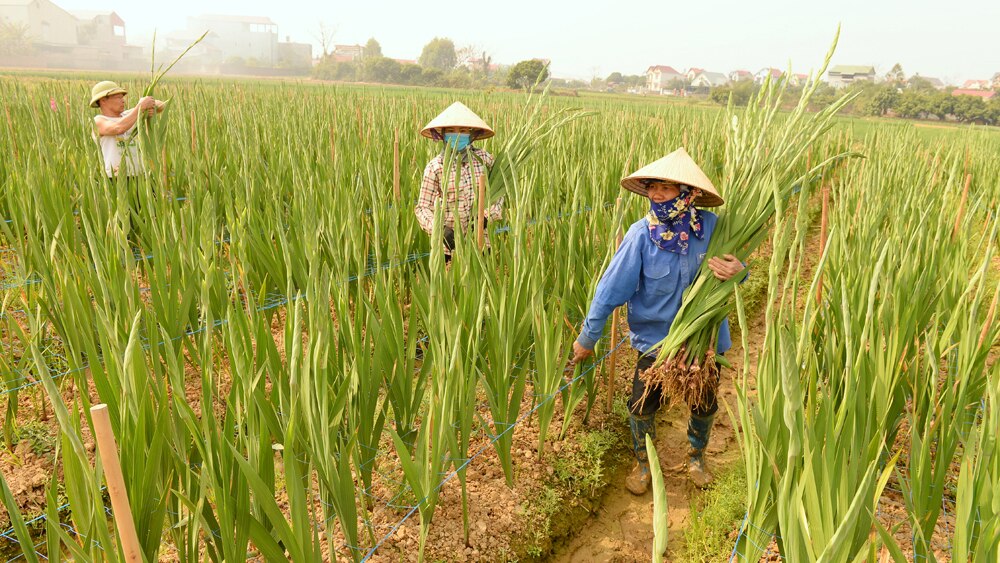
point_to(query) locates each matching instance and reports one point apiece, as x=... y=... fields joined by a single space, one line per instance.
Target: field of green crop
x=293 y=373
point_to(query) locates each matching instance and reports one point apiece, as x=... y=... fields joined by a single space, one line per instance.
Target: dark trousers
x=653 y=399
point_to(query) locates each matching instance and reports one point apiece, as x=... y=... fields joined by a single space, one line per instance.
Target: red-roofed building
x=984 y=94
x=797 y=80
x=659 y=76
x=348 y=53
x=977 y=85
x=739 y=75
x=692 y=73
x=763 y=73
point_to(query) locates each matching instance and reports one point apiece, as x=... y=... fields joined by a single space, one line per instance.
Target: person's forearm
x=122 y=125
x=425 y=218
x=495 y=211
x=593 y=325
x=129 y=120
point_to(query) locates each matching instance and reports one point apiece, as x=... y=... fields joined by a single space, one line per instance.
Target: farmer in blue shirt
x=658 y=258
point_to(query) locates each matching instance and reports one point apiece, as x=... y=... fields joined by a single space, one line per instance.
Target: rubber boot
x=699 y=431
x=638 y=481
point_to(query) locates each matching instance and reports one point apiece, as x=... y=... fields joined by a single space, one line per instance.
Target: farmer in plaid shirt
x=458 y=127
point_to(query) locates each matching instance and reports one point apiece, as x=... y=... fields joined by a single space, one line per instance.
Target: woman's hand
x=725 y=268
x=580 y=353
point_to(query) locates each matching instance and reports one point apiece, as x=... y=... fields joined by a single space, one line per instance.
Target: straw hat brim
x=676 y=168
x=635 y=184
x=104 y=94
x=457 y=115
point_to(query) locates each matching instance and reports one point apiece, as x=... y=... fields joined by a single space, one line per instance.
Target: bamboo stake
x=116 y=483
x=609 y=378
x=824 y=221
x=395 y=164
x=66 y=102
x=961 y=206
x=194 y=140
x=481 y=213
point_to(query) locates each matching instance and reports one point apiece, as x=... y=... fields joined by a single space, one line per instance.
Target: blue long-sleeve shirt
x=652 y=282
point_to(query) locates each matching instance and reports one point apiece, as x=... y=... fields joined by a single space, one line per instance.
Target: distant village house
x=765 y=73
x=659 y=77
x=844 y=75
x=63 y=39
x=740 y=75
x=978 y=85
x=693 y=73
x=797 y=80
x=348 y=53
x=709 y=80
x=984 y=94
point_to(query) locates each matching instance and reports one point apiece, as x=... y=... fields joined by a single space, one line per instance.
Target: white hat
x=457 y=115
x=677 y=167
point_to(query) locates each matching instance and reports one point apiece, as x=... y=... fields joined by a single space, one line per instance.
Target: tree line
x=915 y=98
x=440 y=64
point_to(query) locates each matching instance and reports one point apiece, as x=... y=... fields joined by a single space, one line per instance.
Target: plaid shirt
x=468 y=188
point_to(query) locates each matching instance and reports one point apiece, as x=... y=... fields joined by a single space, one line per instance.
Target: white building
x=251 y=38
x=61 y=39
x=659 y=77
x=740 y=75
x=845 y=75
x=977 y=85
x=47 y=24
x=706 y=79
x=99 y=28
x=764 y=73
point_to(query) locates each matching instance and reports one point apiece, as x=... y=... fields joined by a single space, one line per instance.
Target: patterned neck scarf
x=671 y=222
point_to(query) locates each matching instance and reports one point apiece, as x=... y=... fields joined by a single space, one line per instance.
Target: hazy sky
x=955 y=41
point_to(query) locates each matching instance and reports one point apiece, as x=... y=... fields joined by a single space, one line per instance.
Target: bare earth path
x=621 y=529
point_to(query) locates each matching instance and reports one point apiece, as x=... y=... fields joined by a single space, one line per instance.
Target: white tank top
x=115 y=147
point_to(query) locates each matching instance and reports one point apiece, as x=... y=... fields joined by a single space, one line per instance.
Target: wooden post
x=609 y=372
x=961 y=206
x=481 y=212
x=116 y=483
x=824 y=221
x=395 y=164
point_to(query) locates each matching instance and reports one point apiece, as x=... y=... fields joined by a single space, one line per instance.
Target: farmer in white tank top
x=114 y=126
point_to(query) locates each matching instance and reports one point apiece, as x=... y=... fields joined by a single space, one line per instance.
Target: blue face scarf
x=672 y=222
x=458 y=141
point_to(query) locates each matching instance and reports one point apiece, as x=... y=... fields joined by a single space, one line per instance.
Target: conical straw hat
x=677 y=167
x=457 y=115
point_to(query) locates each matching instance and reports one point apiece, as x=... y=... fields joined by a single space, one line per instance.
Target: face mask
x=458 y=141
